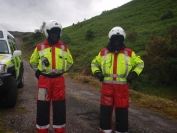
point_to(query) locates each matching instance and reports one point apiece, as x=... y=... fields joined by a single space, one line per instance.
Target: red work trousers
x=114 y=96
x=51 y=90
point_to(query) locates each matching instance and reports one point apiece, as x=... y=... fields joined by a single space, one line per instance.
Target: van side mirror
x=17 y=53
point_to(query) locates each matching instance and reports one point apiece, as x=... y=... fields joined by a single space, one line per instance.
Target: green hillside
x=151 y=28
x=139 y=18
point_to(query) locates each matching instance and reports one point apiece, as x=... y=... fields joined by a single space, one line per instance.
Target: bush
x=161 y=58
x=25 y=38
x=65 y=38
x=168 y=14
x=132 y=37
x=89 y=35
x=37 y=35
x=172 y=31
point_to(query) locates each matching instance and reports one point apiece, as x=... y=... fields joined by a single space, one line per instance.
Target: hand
x=37 y=74
x=99 y=75
x=132 y=75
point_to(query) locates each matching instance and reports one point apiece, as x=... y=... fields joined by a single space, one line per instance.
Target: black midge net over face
x=116 y=43
x=54 y=35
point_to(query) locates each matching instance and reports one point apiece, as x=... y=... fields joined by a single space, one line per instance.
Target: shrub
x=168 y=14
x=161 y=58
x=25 y=38
x=132 y=37
x=37 y=35
x=172 y=31
x=89 y=34
x=65 y=38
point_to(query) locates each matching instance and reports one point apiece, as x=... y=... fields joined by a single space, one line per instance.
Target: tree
x=42 y=27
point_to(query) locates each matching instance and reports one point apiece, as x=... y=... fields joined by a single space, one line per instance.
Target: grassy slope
x=140 y=16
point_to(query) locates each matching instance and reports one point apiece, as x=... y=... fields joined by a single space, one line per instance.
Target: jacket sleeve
x=138 y=63
x=69 y=60
x=96 y=64
x=34 y=60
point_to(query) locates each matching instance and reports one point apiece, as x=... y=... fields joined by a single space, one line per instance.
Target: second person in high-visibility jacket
x=116 y=66
x=50 y=60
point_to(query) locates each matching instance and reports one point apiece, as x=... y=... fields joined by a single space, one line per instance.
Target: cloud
x=27 y=15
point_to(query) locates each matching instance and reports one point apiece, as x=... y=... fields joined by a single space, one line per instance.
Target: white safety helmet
x=116 y=31
x=52 y=24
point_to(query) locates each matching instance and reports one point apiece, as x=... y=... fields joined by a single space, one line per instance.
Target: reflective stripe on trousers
x=120 y=132
x=106 y=131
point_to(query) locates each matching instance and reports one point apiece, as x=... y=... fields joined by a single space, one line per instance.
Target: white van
x=11 y=69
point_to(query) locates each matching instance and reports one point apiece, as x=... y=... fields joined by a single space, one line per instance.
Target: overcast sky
x=28 y=15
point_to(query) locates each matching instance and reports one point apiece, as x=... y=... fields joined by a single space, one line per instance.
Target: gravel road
x=82 y=111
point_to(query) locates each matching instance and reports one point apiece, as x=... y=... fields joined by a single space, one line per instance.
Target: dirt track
x=82 y=111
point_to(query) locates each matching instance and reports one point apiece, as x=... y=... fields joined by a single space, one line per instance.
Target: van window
x=11 y=38
x=3 y=47
x=1 y=34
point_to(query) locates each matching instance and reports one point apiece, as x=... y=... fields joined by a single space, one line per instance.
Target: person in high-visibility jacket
x=116 y=66
x=50 y=60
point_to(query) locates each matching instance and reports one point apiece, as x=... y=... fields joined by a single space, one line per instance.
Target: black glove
x=99 y=75
x=37 y=74
x=132 y=75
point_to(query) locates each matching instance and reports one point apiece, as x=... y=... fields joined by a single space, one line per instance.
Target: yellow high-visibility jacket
x=116 y=66
x=58 y=56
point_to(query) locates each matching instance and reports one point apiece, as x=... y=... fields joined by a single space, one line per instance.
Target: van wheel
x=21 y=83
x=9 y=98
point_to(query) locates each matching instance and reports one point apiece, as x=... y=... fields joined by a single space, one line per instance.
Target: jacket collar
x=47 y=43
x=113 y=49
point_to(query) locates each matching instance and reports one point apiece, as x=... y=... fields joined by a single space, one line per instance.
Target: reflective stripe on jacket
x=58 y=56
x=116 y=66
